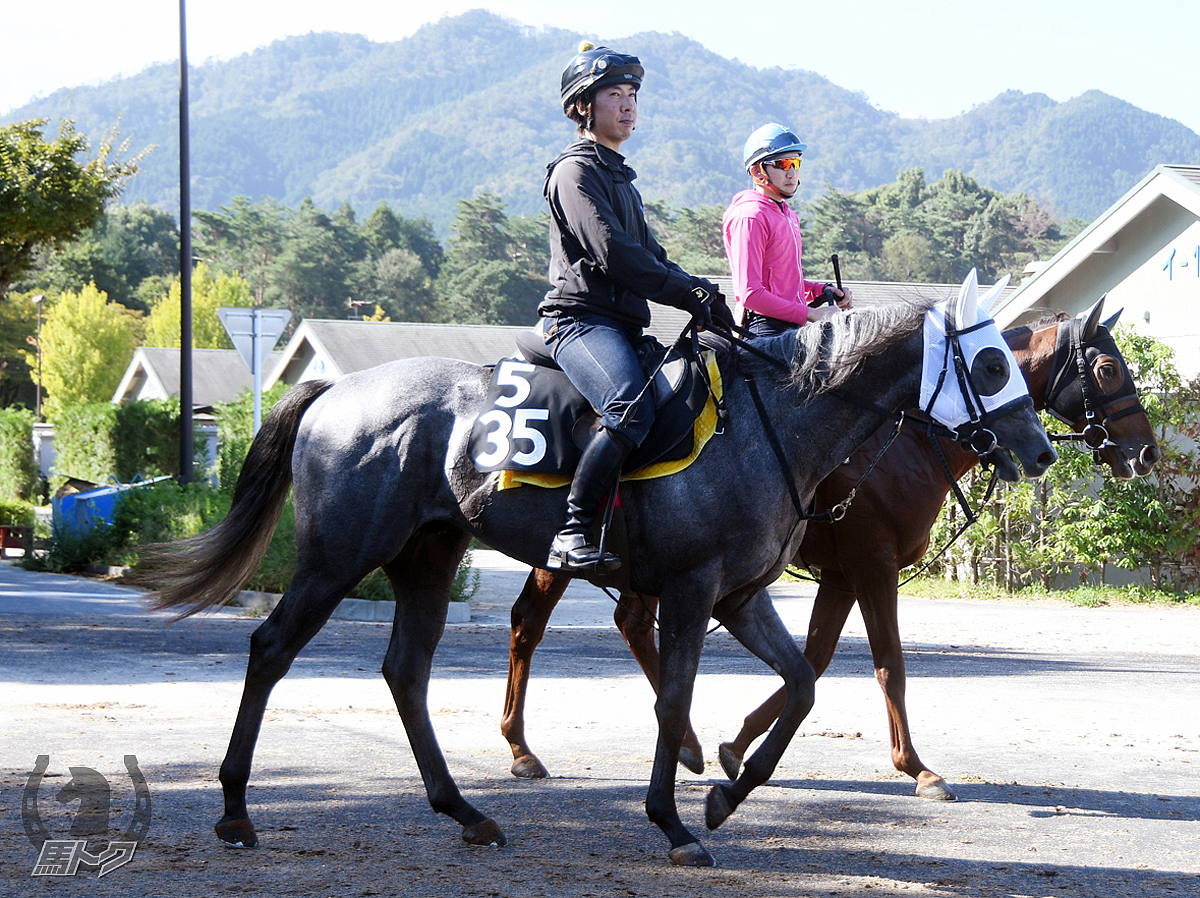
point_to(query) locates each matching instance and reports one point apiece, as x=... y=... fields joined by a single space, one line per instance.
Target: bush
x=18 y=468
x=145 y=439
x=161 y=512
x=376 y=587
x=279 y=563
x=235 y=431
x=164 y=512
x=83 y=440
x=70 y=552
x=16 y=512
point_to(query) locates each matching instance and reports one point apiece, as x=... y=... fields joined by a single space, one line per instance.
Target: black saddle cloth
x=535 y=421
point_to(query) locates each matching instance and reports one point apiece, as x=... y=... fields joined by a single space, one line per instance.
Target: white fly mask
x=956 y=334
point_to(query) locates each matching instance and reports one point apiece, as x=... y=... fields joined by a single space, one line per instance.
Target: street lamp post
x=37 y=300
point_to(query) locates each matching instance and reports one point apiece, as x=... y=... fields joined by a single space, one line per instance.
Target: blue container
x=77 y=510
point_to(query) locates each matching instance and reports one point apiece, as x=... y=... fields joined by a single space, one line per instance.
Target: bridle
x=974 y=434
x=1073 y=399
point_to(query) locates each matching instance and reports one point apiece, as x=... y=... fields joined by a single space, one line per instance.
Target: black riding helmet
x=593 y=67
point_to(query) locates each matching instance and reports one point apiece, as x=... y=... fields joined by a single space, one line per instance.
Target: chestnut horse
x=890 y=521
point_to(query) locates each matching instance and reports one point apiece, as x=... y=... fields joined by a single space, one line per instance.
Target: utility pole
x=186 y=447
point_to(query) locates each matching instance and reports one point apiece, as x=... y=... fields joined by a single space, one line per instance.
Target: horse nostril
x=1047 y=458
x=1149 y=456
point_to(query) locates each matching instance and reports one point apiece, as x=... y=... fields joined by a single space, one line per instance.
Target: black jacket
x=603 y=259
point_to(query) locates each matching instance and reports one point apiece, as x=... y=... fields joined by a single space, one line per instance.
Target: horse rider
x=604 y=265
x=763 y=242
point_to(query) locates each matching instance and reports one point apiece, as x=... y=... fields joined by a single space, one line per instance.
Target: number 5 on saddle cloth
x=535 y=424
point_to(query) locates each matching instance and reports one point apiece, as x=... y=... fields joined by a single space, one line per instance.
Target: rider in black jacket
x=604 y=265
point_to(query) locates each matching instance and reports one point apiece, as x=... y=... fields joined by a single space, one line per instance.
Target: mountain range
x=470 y=104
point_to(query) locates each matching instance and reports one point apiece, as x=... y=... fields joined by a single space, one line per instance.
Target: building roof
x=1165 y=190
x=332 y=347
x=218 y=375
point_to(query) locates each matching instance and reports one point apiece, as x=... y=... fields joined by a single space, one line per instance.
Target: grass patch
x=1084 y=596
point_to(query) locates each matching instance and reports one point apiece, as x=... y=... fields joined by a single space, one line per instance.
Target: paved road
x=1071 y=735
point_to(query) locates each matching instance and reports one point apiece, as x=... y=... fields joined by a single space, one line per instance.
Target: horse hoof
x=529 y=768
x=486 y=832
x=936 y=790
x=692 y=854
x=731 y=761
x=717 y=807
x=692 y=760
x=236 y=833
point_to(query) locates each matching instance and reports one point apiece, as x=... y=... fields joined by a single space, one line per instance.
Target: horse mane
x=829 y=352
x=1045 y=321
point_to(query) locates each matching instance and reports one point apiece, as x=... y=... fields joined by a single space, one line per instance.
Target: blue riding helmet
x=769 y=141
x=593 y=67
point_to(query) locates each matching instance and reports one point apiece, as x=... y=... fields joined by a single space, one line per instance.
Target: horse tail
x=211 y=568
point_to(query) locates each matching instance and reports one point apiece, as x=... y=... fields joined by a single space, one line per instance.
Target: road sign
x=243 y=325
x=254 y=333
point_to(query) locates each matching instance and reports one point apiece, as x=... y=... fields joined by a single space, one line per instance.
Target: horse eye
x=991 y=365
x=1108 y=375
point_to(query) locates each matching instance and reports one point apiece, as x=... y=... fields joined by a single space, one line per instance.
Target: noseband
x=1072 y=396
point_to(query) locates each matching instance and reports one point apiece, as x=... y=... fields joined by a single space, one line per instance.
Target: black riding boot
x=573 y=550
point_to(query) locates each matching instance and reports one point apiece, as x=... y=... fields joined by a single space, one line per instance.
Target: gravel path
x=1070 y=735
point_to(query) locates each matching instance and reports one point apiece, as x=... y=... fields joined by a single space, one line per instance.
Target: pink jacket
x=763 y=244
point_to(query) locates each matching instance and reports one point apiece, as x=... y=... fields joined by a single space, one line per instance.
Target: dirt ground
x=1071 y=737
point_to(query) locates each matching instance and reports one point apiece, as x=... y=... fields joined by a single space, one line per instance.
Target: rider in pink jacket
x=763 y=241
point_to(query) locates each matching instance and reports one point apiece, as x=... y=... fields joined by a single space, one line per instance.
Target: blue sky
x=926 y=58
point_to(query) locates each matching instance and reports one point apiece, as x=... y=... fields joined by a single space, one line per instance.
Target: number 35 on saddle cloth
x=535 y=424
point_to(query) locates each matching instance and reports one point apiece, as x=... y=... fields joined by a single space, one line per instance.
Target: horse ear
x=1111 y=321
x=967 y=308
x=1091 y=318
x=986 y=301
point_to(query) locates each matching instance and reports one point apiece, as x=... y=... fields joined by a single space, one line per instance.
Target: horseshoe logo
x=31 y=818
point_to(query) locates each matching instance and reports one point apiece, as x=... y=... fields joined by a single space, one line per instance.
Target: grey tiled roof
x=355 y=345
x=873 y=293
x=1187 y=172
x=218 y=375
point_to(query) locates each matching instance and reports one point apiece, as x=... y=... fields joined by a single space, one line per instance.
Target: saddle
x=536 y=423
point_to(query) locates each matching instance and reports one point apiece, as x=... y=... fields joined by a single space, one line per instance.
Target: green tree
x=910 y=230
x=47 y=195
x=397 y=282
x=244 y=238
x=18 y=469
x=210 y=292
x=87 y=343
x=311 y=275
x=495 y=267
x=18 y=329
x=692 y=237
x=495 y=292
x=131 y=255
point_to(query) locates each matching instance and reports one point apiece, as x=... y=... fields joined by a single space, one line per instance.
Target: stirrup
x=574 y=553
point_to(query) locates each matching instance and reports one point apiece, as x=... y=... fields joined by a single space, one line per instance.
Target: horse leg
x=300 y=614
x=877 y=602
x=634 y=617
x=681 y=638
x=835 y=598
x=757 y=626
x=530 y=614
x=421 y=577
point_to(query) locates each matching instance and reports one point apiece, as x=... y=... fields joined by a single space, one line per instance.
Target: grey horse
x=383 y=479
